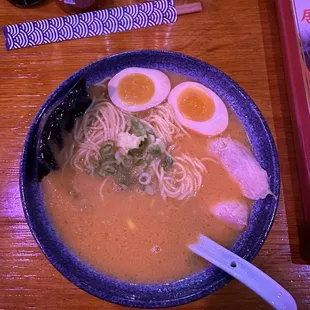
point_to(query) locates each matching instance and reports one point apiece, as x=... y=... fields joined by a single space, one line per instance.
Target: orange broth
x=134 y=236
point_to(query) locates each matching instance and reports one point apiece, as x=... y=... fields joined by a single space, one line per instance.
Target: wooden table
x=239 y=37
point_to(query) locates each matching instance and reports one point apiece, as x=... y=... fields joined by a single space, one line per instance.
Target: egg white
x=215 y=125
x=161 y=83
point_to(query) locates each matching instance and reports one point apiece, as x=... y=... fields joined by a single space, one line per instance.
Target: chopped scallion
x=154 y=150
x=139 y=162
x=107 y=150
x=167 y=163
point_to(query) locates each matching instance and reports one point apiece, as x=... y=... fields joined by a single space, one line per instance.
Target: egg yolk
x=135 y=89
x=196 y=105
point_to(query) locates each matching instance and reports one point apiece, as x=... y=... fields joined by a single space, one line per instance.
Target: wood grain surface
x=239 y=37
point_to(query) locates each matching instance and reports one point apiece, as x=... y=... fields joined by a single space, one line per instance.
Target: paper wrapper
x=90 y=24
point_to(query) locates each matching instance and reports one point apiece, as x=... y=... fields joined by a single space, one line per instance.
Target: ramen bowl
x=172 y=293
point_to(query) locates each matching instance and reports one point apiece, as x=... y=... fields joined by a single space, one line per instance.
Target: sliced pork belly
x=233 y=214
x=242 y=166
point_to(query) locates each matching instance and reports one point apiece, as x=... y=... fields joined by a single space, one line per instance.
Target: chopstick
x=183 y=9
x=82 y=26
x=189 y=8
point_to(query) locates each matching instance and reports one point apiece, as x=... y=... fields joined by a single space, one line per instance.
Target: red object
x=78 y=6
x=299 y=109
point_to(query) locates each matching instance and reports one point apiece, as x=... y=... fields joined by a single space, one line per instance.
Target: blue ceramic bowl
x=184 y=290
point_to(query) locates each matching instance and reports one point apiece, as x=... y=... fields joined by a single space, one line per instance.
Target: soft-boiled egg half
x=138 y=89
x=199 y=108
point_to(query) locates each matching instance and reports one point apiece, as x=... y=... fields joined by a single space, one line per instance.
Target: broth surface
x=134 y=236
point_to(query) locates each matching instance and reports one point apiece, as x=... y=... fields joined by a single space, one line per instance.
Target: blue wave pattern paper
x=90 y=24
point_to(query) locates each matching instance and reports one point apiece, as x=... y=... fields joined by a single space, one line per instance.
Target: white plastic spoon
x=248 y=274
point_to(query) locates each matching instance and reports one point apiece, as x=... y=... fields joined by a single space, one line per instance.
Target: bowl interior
x=184 y=290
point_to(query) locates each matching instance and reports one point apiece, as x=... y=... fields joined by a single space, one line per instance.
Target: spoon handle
x=248 y=274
